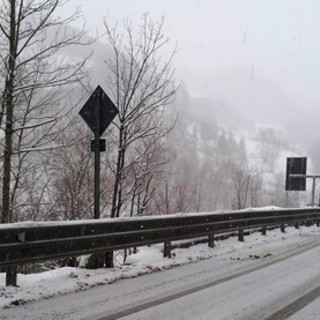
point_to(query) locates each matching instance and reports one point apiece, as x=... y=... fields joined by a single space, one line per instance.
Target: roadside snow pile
x=150 y=259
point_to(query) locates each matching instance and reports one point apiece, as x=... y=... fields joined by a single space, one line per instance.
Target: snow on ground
x=148 y=259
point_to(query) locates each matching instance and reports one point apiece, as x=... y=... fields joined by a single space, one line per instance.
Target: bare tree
x=241 y=180
x=70 y=169
x=147 y=175
x=142 y=86
x=34 y=76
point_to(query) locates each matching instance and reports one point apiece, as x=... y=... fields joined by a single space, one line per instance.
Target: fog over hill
x=237 y=98
x=241 y=96
x=239 y=131
x=246 y=68
x=249 y=93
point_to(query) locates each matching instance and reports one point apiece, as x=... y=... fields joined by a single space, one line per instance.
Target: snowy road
x=256 y=283
x=249 y=295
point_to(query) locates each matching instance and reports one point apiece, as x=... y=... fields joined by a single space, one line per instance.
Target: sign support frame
x=313 y=177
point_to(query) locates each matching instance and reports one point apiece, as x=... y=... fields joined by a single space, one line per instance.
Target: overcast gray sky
x=277 y=39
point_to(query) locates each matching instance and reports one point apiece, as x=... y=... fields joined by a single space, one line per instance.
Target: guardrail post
x=296 y=225
x=282 y=228
x=211 y=240
x=264 y=231
x=11 y=276
x=108 y=259
x=241 y=237
x=167 y=249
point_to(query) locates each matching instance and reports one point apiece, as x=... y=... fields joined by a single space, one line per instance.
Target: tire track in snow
x=296 y=305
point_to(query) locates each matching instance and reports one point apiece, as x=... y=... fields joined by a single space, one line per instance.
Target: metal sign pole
x=313 y=190
x=97 y=161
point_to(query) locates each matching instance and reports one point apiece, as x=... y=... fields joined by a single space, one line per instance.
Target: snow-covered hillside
x=227 y=165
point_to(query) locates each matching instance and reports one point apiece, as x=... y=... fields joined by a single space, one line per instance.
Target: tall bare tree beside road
x=141 y=82
x=34 y=76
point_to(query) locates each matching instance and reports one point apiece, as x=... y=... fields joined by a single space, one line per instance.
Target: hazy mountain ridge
x=253 y=95
x=228 y=164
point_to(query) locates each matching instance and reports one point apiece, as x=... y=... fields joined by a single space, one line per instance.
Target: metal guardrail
x=21 y=244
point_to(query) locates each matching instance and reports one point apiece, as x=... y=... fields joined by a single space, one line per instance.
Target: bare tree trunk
x=6 y=215
x=116 y=199
x=167 y=198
